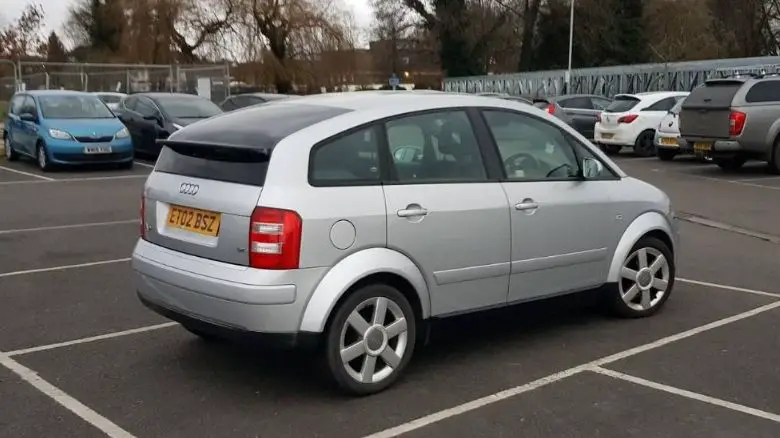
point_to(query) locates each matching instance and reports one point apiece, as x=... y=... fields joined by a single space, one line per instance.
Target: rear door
x=444 y=211
x=705 y=112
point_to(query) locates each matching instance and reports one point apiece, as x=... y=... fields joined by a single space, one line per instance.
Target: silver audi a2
x=351 y=221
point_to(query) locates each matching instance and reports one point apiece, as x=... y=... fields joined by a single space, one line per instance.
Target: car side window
x=600 y=103
x=435 y=147
x=28 y=106
x=531 y=149
x=576 y=103
x=766 y=91
x=662 y=105
x=350 y=159
x=130 y=102
x=145 y=108
x=16 y=105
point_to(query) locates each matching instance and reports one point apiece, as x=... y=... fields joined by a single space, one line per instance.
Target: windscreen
x=228 y=164
x=622 y=104
x=186 y=107
x=74 y=107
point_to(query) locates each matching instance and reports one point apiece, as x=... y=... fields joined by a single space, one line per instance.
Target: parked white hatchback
x=631 y=121
x=350 y=222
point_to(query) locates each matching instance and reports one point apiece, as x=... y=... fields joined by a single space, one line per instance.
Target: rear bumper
x=72 y=152
x=615 y=137
x=662 y=139
x=222 y=296
x=718 y=146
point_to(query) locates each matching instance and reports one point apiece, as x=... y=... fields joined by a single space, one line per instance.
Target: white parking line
x=68 y=227
x=688 y=394
x=94 y=178
x=62 y=268
x=65 y=400
x=508 y=393
x=731 y=288
x=91 y=339
x=8 y=169
x=145 y=164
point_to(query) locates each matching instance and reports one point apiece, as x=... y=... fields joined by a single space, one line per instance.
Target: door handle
x=527 y=204
x=412 y=212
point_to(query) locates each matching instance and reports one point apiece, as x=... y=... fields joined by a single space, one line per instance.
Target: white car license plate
x=97 y=149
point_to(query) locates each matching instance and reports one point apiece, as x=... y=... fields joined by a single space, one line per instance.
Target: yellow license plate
x=702 y=147
x=194 y=220
x=607 y=136
x=669 y=141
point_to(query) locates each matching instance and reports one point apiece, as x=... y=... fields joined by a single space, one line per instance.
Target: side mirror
x=591 y=168
x=27 y=117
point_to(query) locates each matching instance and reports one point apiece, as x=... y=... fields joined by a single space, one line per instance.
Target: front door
x=29 y=130
x=562 y=225
x=444 y=212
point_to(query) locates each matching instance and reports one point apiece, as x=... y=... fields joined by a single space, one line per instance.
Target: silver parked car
x=352 y=221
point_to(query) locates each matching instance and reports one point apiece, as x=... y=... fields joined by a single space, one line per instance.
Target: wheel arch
x=374 y=265
x=652 y=224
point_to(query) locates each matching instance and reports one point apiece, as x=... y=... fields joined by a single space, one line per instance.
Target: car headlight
x=122 y=133
x=60 y=134
x=177 y=127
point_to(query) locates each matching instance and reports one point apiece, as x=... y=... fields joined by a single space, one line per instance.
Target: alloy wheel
x=374 y=340
x=645 y=278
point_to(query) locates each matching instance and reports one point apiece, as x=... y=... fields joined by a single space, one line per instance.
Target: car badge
x=94 y=135
x=670 y=124
x=189 y=189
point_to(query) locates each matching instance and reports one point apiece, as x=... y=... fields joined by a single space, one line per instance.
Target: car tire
x=644 y=145
x=9 y=152
x=666 y=154
x=42 y=157
x=774 y=159
x=611 y=149
x=646 y=280
x=730 y=163
x=368 y=355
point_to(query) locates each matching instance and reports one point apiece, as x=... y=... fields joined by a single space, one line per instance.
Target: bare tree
x=23 y=37
x=393 y=26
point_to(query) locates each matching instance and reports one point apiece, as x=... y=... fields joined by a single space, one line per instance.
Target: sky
x=57 y=10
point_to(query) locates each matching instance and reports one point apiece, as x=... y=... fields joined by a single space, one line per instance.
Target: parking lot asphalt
x=81 y=357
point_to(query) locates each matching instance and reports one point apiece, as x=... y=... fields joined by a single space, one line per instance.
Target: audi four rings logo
x=189 y=189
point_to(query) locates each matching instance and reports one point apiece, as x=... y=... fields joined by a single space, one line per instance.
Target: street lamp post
x=571 y=45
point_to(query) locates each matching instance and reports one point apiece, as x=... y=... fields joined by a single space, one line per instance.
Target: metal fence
x=608 y=81
x=210 y=80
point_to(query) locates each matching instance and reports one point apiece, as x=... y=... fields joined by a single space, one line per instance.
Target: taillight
x=737 y=121
x=142 y=230
x=628 y=119
x=551 y=109
x=274 y=239
x=598 y=118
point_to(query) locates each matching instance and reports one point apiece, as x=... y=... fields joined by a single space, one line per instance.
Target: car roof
x=109 y=93
x=271 y=96
x=156 y=94
x=55 y=93
x=398 y=102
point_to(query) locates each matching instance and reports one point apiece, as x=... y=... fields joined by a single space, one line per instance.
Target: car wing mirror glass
x=591 y=168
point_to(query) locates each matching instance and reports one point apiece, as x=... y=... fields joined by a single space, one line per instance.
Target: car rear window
x=236 y=147
x=622 y=104
x=713 y=94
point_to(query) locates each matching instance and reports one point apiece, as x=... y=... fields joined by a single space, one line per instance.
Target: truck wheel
x=774 y=159
x=730 y=163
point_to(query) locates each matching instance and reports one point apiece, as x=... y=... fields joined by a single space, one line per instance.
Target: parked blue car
x=65 y=128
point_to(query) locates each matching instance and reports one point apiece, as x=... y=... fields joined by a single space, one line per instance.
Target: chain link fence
x=210 y=81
